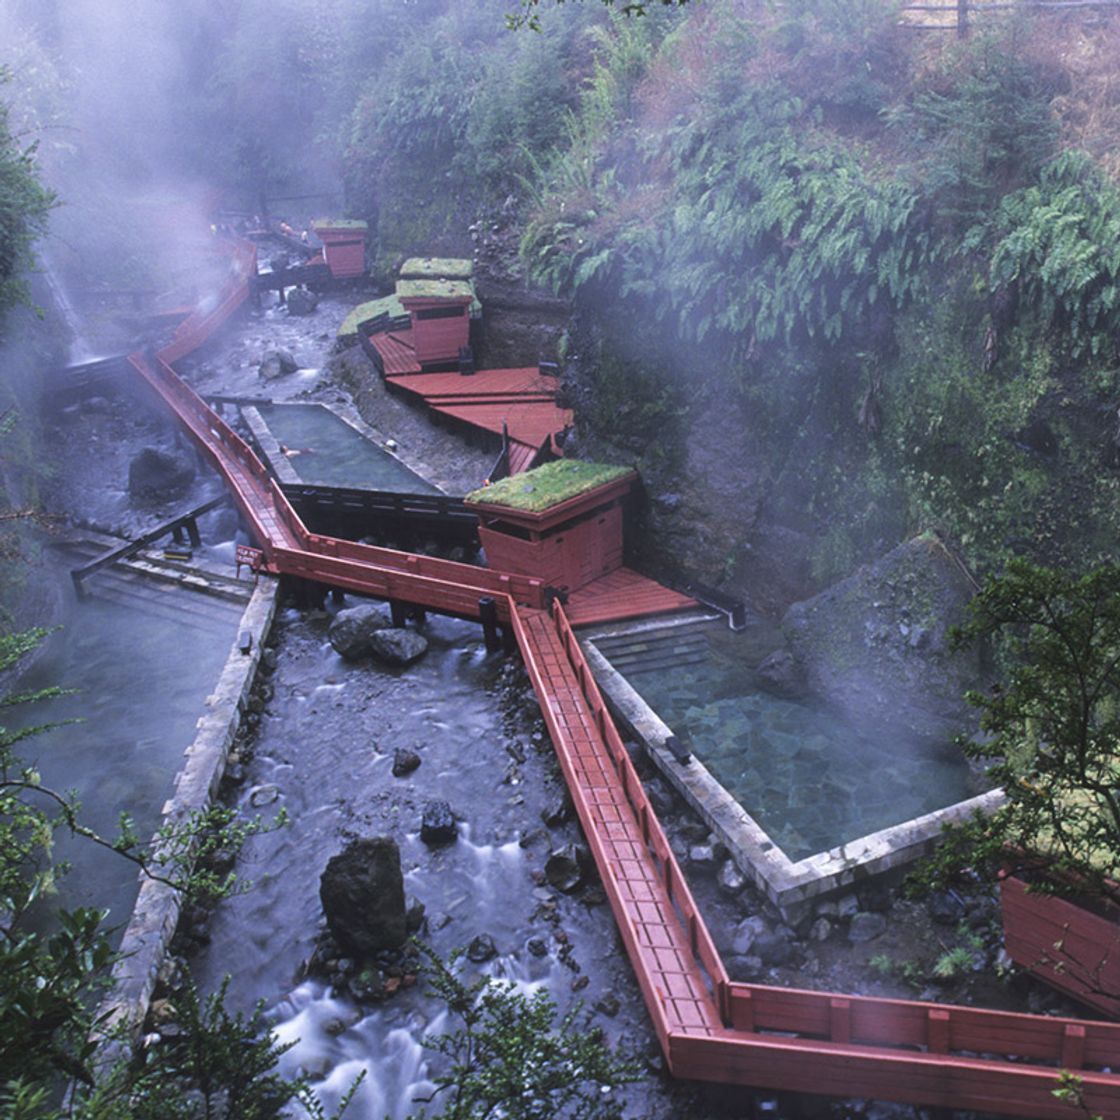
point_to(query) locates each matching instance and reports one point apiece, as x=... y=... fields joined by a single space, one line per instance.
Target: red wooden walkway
x=710 y=1028
x=520 y=403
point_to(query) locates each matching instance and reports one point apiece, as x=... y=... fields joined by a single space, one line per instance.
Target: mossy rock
x=876 y=645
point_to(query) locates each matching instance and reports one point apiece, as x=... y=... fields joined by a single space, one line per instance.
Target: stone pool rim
x=793 y=886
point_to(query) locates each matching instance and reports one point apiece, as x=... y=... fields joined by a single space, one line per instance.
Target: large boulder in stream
x=160 y=476
x=301 y=301
x=396 y=646
x=362 y=891
x=276 y=363
x=350 y=630
x=876 y=644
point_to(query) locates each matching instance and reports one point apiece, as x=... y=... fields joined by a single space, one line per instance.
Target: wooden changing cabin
x=344 y=246
x=561 y=523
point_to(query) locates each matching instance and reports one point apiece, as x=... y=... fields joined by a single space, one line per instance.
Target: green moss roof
x=387 y=305
x=338 y=223
x=544 y=487
x=437 y=268
x=435 y=289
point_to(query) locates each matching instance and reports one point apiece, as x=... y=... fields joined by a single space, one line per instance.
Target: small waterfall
x=78 y=350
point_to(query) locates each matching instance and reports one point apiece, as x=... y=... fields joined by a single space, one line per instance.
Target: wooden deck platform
x=519 y=402
x=623 y=594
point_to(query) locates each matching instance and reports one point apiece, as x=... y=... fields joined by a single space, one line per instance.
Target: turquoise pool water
x=808 y=778
x=329 y=452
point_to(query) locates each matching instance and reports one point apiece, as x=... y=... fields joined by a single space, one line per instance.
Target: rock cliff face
x=876 y=644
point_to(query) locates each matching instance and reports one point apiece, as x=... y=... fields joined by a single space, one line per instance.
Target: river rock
x=563 y=869
x=404 y=762
x=866 y=926
x=558 y=810
x=160 y=476
x=397 y=646
x=276 y=363
x=415 y=916
x=350 y=630
x=730 y=879
x=774 y=947
x=301 y=301
x=482 y=949
x=854 y=642
x=437 y=825
x=362 y=891
x=781 y=674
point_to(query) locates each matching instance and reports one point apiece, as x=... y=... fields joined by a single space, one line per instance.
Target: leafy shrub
x=1057 y=244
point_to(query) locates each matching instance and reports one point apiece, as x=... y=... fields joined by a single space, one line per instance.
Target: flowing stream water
x=324 y=750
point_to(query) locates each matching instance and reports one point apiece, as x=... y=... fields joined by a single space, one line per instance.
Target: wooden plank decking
x=623 y=594
x=519 y=402
x=672 y=985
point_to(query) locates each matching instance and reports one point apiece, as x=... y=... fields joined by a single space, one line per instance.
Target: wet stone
x=350 y=630
x=563 y=869
x=415 y=916
x=866 y=926
x=362 y=892
x=820 y=930
x=747 y=967
x=263 y=795
x=537 y=946
x=482 y=949
x=774 y=947
x=608 y=1004
x=438 y=826
x=398 y=647
x=276 y=363
x=404 y=762
x=745 y=935
x=730 y=879
x=557 y=811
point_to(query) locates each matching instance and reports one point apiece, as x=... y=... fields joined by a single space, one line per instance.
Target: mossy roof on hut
x=544 y=487
x=437 y=268
x=387 y=305
x=435 y=289
x=339 y=223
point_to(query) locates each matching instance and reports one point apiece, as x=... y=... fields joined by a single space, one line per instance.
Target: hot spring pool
x=329 y=451
x=809 y=779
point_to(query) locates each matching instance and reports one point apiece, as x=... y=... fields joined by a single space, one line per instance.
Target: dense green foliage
x=879 y=252
x=24 y=205
x=1049 y=730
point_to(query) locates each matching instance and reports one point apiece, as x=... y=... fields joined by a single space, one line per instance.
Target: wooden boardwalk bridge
x=710 y=1028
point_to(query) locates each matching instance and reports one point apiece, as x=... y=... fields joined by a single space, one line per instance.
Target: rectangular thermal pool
x=807 y=777
x=323 y=449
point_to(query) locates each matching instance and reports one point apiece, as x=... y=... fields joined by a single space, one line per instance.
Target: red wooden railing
x=710 y=1028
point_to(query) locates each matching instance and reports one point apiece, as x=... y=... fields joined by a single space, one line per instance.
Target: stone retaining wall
x=156 y=913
